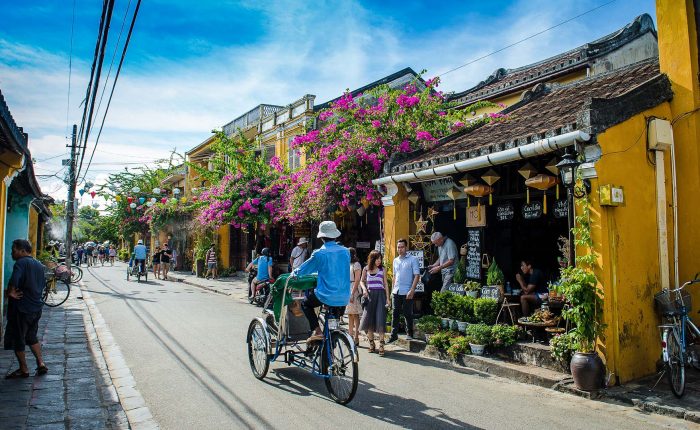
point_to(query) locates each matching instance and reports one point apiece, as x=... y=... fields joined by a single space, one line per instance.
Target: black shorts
x=21 y=329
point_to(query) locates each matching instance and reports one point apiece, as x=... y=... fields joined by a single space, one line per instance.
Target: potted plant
x=465 y=312
x=479 y=336
x=438 y=303
x=453 y=304
x=494 y=276
x=428 y=325
x=503 y=335
x=563 y=347
x=460 y=275
x=586 y=313
x=441 y=340
x=485 y=310
x=472 y=288
x=458 y=345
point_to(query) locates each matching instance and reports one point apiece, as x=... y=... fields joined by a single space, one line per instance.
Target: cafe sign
x=561 y=209
x=436 y=191
x=532 y=210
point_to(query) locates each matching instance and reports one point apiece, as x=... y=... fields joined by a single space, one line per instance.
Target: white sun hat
x=140 y=242
x=328 y=229
x=302 y=241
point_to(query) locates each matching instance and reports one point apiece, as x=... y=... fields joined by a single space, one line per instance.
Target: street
x=186 y=350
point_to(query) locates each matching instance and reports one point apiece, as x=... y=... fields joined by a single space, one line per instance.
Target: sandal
x=17 y=374
x=381 y=348
x=372 y=348
x=42 y=370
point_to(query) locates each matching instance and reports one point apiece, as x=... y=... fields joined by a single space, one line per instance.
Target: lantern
x=467 y=180
x=156 y=190
x=183 y=200
x=129 y=199
x=142 y=200
x=491 y=177
x=92 y=194
x=135 y=190
x=176 y=191
x=478 y=191
x=132 y=205
x=552 y=167
x=81 y=191
x=414 y=198
x=95 y=205
x=118 y=198
x=149 y=203
x=153 y=200
x=164 y=200
x=542 y=182
x=453 y=193
x=527 y=172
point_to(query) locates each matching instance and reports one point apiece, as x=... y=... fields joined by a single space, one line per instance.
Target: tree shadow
x=370 y=401
x=119 y=295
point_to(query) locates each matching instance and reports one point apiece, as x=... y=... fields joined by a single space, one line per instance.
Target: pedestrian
x=406 y=272
x=211 y=263
x=299 y=254
x=112 y=254
x=155 y=260
x=354 y=308
x=447 y=255
x=95 y=253
x=165 y=256
x=24 y=308
x=79 y=252
x=376 y=293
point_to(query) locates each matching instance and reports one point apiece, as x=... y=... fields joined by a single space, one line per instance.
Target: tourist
x=354 y=308
x=210 y=259
x=112 y=254
x=299 y=254
x=165 y=256
x=406 y=276
x=155 y=260
x=447 y=256
x=376 y=294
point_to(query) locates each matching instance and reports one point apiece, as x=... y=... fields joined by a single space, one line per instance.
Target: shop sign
x=420 y=255
x=561 y=209
x=456 y=289
x=532 y=210
x=476 y=216
x=505 y=211
x=491 y=292
x=436 y=191
x=379 y=246
x=473 y=254
x=362 y=245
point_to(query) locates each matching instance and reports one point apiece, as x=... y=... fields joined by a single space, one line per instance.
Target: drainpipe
x=533 y=149
x=660 y=139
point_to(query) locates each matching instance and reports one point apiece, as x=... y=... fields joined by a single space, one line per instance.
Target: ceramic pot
x=477 y=349
x=474 y=294
x=427 y=337
x=588 y=371
x=462 y=326
x=445 y=323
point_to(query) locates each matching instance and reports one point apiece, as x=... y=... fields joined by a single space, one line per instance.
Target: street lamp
x=567 y=169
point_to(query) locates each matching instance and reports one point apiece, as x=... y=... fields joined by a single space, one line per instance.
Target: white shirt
x=299 y=255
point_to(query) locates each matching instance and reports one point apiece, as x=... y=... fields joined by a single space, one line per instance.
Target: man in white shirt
x=299 y=254
x=406 y=276
x=447 y=255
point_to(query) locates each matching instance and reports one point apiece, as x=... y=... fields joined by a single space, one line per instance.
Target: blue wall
x=16 y=227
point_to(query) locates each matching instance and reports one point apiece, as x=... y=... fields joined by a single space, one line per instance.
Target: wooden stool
x=507 y=307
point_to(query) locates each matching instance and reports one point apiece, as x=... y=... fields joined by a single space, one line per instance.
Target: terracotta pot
x=588 y=371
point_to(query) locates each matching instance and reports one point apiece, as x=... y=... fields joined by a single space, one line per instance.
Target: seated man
x=140 y=254
x=264 y=264
x=533 y=285
x=331 y=262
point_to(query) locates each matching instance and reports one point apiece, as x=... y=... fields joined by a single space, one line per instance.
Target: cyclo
x=281 y=333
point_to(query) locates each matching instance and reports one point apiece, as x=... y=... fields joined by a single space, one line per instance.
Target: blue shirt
x=28 y=277
x=331 y=262
x=263 y=264
x=405 y=270
x=140 y=252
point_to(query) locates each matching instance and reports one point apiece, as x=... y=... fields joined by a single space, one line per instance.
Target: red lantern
x=194 y=198
x=129 y=199
x=164 y=200
x=92 y=193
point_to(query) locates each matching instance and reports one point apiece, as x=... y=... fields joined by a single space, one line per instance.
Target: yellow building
x=613 y=119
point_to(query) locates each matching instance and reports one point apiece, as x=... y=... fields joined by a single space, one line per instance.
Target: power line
x=527 y=38
x=114 y=85
x=51 y=158
x=70 y=64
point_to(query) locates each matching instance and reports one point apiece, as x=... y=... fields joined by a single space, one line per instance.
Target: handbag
x=425 y=277
x=364 y=302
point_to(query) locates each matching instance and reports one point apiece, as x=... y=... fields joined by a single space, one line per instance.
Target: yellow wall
x=33 y=229
x=224 y=245
x=626 y=244
x=396 y=224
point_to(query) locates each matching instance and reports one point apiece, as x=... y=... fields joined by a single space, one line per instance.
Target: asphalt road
x=186 y=350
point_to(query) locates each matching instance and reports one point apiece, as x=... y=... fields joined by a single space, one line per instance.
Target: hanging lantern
x=149 y=203
x=132 y=205
x=118 y=198
x=414 y=198
x=478 y=191
x=92 y=194
x=129 y=199
x=194 y=198
x=183 y=200
x=153 y=200
x=467 y=180
x=88 y=184
x=491 y=177
x=527 y=172
x=142 y=200
x=542 y=182
x=81 y=191
x=176 y=191
x=164 y=200
x=552 y=167
x=95 y=205
x=156 y=190
x=453 y=193
x=174 y=200
x=135 y=190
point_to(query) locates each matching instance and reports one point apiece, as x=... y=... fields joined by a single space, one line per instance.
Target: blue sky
x=195 y=65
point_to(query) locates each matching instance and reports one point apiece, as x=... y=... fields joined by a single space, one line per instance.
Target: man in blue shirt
x=406 y=276
x=24 y=308
x=332 y=263
x=140 y=254
x=264 y=264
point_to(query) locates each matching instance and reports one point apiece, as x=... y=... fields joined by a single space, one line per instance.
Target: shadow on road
x=370 y=401
x=119 y=295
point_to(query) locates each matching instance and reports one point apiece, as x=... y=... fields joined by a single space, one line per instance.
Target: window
x=269 y=151
x=293 y=156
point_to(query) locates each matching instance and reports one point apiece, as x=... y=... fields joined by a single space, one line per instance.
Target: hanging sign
x=505 y=211
x=476 y=216
x=474 y=254
x=561 y=209
x=362 y=245
x=532 y=210
x=436 y=191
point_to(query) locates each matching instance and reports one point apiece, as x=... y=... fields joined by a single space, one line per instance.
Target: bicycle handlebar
x=694 y=281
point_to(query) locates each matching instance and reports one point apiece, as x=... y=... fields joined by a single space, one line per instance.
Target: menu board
x=491 y=292
x=532 y=210
x=456 y=288
x=474 y=244
x=505 y=211
x=561 y=209
x=436 y=191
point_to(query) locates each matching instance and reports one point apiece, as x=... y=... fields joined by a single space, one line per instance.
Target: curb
x=113 y=366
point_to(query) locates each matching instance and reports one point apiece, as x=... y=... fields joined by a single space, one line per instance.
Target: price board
x=456 y=288
x=491 y=292
x=474 y=244
x=505 y=211
x=561 y=209
x=532 y=210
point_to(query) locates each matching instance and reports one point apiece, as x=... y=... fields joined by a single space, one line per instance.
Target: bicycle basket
x=668 y=305
x=62 y=273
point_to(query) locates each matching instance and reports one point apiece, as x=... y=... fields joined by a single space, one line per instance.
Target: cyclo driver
x=140 y=252
x=331 y=263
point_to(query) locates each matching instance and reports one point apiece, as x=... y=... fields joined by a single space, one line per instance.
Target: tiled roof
x=504 y=81
x=547 y=110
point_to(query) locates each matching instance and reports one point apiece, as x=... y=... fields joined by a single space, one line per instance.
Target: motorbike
x=251 y=275
x=262 y=290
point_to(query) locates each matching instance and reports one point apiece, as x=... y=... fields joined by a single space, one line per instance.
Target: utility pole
x=70 y=205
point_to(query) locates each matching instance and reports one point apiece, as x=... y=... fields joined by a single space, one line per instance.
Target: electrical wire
x=51 y=158
x=70 y=66
x=527 y=38
x=114 y=84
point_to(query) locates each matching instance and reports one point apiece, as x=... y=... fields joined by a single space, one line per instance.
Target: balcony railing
x=250 y=118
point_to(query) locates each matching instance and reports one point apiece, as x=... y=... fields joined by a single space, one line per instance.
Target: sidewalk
x=76 y=393
x=235 y=286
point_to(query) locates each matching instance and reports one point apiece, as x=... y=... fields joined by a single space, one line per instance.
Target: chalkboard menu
x=505 y=211
x=491 y=292
x=532 y=210
x=561 y=209
x=474 y=245
x=456 y=288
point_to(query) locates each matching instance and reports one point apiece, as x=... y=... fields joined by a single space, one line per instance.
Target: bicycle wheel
x=343 y=369
x=138 y=276
x=676 y=364
x=76 y=274
x=55 y=293
x=257 y=341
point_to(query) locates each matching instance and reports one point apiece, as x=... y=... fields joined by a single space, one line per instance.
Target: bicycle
x=57 y=288
x=76 y=272
x=678 y=333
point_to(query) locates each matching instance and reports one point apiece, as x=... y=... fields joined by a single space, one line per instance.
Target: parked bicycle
x=57 y=288
x=678 y=335
x=76 y=272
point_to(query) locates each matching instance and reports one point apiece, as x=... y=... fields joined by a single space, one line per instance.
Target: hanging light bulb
x=132 y=206
x=176 y=191
x=156 y=190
